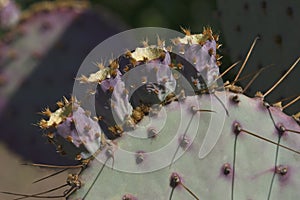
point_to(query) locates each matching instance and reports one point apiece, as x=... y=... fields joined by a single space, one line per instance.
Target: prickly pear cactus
x=193 y=137
x=214 y=144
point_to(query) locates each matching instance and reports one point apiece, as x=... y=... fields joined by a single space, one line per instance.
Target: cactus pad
x=191 y=138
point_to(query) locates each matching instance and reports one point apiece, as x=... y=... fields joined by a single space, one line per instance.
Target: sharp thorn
x=95 y=179
x=189 y=191
x=292 y=131
x=284 y=99
x=223 y=105
x=37 y=195
x=54 y=174
x=290 y=103
x=171 y=194
x=253 y=79
x=185 y=132
x=282 y=78
x=228 y=69
x=54 y=166
x=246 y=59
x=270 y=141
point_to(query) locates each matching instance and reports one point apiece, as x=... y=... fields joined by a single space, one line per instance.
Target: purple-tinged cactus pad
x=200 y=50
x=75 y=125
x=151 y=75
x=204 y=145
x=234 y=157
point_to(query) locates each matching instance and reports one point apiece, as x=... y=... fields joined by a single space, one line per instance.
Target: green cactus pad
x=210 y=177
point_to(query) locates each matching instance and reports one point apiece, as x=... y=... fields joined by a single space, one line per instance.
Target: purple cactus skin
x=204 y=57
x=79 y=128
x=71 y=124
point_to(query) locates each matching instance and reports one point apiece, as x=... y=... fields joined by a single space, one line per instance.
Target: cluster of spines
x=106 y=74
x=201 y=39
x=62 y=128
x=108 y=78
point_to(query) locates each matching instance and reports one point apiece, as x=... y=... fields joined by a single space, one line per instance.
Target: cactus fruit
x=243 y=20
x=197 y=139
